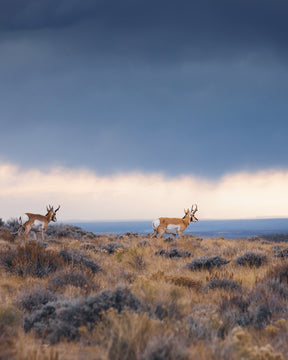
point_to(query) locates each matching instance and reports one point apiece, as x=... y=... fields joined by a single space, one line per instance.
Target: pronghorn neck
x=49 y=216
x=186 y=219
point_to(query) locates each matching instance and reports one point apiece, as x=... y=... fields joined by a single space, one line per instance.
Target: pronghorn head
x=191 y=213
x=51 y=213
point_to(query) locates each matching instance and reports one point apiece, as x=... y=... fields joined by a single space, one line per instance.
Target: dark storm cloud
x=172 y=86
x=158 y=29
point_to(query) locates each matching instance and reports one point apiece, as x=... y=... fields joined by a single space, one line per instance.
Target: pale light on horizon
x=86 y=196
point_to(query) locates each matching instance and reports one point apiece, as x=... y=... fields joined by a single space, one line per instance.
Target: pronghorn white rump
x=174 y=226
x=171 y=229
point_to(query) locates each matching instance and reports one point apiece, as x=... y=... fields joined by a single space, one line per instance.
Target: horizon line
x=144 y=220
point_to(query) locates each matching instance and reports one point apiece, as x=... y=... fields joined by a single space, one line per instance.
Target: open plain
x=80 y=295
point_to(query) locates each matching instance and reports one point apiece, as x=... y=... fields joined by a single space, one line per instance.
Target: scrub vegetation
x=81 y=295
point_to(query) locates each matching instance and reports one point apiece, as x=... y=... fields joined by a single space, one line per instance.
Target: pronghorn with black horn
x=174 y=225
x=37 y=222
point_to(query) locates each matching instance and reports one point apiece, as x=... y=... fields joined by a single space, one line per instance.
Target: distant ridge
x=213 y=228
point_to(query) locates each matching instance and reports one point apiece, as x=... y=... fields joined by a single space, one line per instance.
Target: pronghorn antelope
x=174 y=225
x=37 y=222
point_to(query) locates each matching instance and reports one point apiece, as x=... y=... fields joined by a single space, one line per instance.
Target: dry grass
x=114 y=297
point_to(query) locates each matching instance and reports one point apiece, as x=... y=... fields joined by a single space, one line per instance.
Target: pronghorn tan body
x=174 y=226
x=36 y=222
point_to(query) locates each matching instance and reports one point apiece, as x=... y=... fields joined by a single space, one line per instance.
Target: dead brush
x=135 y=258
x=125 y=334
x=166 y=347
x=8 y=332
x=31 y=259
x=278 y=272
x=220 y=274
x=8 y=340
x=184 y=281
x=179 y=280
x=158 y=275
x=36 y=354
x=7 y=236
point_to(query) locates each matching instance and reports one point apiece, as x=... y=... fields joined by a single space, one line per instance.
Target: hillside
x=80 y=295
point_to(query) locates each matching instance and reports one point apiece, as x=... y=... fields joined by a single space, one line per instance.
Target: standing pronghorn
x=174 y=225
x=37 y=222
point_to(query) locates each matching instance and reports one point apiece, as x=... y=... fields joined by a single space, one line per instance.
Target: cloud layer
x=83 y=195
x=175 y=87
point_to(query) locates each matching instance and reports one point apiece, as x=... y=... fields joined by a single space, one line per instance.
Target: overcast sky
x=194 y=89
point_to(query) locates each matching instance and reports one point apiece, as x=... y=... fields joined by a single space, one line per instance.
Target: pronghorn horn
x=57 y=209
x=196 y=209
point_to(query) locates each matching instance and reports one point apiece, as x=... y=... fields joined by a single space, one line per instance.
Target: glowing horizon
x=85 y=196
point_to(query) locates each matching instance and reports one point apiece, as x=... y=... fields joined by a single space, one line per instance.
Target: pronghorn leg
x=26 y=232
x=160 y=232
x=154 y=234
x=20 y=230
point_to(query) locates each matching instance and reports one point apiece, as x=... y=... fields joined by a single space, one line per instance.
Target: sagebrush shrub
x=111 y=247
x=271 y=294
x=62 y=319
x=226 y=284
x=8 y=316
x=281 y=253
x=35 y=298
x=143 y=243
x=206 y=263
x=74 y=277
x=165 y=348
x=174 y=253
x=89 y=246
x=167 y=309
x=77 y=258
x=279 y=272
x=252 y=259
x=234 y=311
x=68 y=231
x=12 y=225
x=263 y=303
x=239 y=302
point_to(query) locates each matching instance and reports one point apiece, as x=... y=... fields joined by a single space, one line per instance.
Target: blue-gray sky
x=176 y=87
